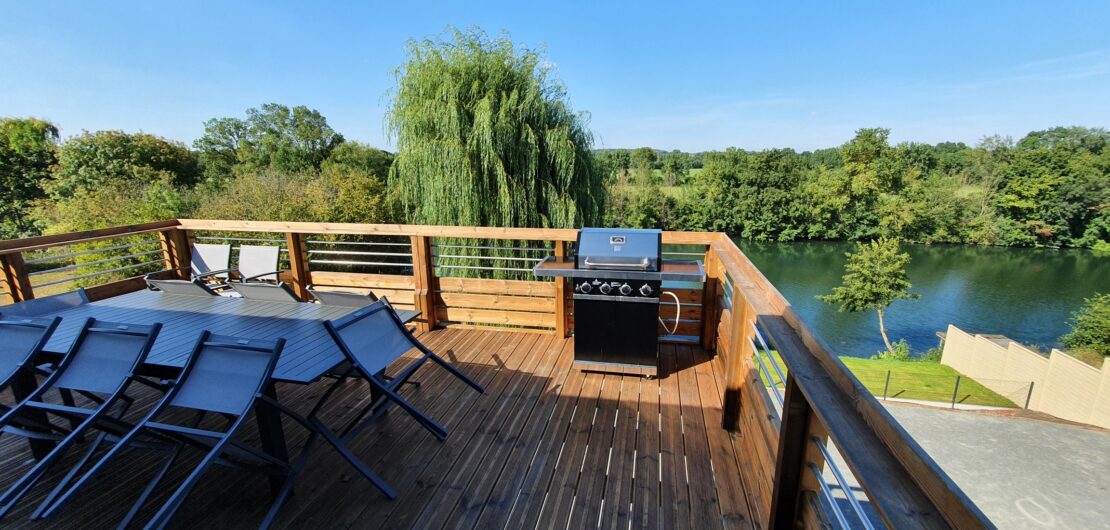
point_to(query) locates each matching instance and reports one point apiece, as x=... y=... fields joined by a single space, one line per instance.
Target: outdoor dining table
x=309 y=351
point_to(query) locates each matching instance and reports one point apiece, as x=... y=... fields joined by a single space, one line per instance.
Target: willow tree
x=486 y=137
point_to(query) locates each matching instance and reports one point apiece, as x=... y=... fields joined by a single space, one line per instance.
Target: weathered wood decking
x=546 y=446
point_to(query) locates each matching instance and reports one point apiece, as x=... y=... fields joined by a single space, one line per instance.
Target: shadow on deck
x=546 y=446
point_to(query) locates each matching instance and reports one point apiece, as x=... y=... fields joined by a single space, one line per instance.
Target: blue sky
x=670 y=75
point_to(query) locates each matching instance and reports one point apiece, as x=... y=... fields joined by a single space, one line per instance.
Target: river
x=1025 y=294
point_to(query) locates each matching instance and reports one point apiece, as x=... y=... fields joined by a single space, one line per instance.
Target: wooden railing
x=785 y=435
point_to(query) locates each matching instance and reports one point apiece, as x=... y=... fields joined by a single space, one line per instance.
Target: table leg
x=23 y=385
x=271 y=434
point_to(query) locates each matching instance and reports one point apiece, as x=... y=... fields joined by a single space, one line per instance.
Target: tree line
x=1051 y=188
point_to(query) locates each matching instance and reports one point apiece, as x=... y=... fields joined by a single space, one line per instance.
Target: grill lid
x=619 y=249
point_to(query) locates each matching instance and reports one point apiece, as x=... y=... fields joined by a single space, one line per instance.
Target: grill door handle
x=642 y=264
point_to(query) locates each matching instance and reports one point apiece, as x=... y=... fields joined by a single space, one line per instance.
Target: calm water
x=1025 y=294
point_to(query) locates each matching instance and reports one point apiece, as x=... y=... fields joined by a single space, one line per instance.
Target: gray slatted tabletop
x=309 y=351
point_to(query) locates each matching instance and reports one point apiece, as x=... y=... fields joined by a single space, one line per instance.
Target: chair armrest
x=213 y=273
x=275 y=274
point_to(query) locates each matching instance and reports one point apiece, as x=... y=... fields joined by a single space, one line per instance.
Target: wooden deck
x=546 y=446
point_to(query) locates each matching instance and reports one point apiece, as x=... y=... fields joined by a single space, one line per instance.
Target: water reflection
x=1026 y=294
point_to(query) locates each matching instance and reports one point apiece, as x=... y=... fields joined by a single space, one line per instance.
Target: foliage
x=28 y=149
x=115 y=204
x=115 y=159
x=487 y=137
x=272 y=136
x=1090 y=326
x=338 y=194
x=874 y=278
x=900 y=352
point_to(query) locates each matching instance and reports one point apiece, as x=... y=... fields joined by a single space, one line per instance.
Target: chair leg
x=167 y=511
x=456 y=372
x=149 y=489
x=92 y=472
x=436 y=429
x=68 y=478
x=354 y=460
x=24 y=484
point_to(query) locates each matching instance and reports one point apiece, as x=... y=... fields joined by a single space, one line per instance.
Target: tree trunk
x=882 y=329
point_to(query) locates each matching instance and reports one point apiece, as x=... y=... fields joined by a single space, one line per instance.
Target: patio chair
x=207 y=260
x=48 y=304
x=256 y=262
x=224 y=376
x=371 y=339
x=21 y=339
x=342 y=298
x=194 y=287
x=100 y=365
x=271 y=292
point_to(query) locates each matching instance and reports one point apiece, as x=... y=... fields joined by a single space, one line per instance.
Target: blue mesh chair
x=194 y=287
x=21 y=339
x=371 y=339
x=342 y=298
x=224 y=376
x=100 y=365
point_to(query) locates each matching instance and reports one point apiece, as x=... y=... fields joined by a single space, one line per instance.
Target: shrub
x=1090 y=326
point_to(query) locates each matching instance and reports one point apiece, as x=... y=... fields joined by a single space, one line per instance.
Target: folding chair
x=256 y=262
x=210 y=261
x=342 y=298
x=21 y=339
x=48 y=304
x=372 y=338
x=225 y=376
x=271 y=292
x=100 y=365
x=193 y=287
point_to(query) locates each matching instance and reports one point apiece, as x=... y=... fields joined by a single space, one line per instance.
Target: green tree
x=107 y=158
x=28 y=148
x=874 y=277
x=1090 y=326
x=486 y=136
x=272 y=136
x=676 y=167
x=642 y=162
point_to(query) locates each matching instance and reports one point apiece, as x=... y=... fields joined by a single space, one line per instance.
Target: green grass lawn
x=916 y=380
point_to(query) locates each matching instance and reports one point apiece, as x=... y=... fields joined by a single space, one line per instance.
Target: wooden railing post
x=298 y=264
x=176 y=251
x=423 y=276
x=15 y=275
x=793 y=454
x=560 y=294
x=709 y=302
x=738 y=359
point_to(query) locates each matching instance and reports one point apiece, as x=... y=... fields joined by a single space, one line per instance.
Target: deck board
x=546 y=446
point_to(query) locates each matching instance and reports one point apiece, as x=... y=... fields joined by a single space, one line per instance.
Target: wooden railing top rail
x=904 y=484
x=12 y=246
x=476 y=232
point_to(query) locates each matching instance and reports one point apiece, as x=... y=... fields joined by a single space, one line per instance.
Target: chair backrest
x=264 y=291
x=186 y=287
x=48 y=304
x=226 y=373
x=20 y=339
x=105 y=354
x=207 y=257
x=258 y=259
x=371 y=337
x=343 y=298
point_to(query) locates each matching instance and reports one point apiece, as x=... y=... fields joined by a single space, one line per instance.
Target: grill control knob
x=605 y=288
x=585 y=287
x=645 y=290
x=626 y=289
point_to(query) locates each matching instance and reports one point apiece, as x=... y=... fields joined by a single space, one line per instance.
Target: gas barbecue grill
x=617 y=276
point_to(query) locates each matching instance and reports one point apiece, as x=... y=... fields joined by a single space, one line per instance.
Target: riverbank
x=918 y=381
